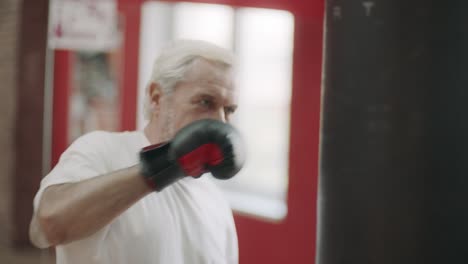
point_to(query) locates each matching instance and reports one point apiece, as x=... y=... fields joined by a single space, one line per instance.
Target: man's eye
x=206 y=103
x=229 y=110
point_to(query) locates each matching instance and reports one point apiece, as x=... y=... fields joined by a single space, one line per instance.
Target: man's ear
x=155 y=93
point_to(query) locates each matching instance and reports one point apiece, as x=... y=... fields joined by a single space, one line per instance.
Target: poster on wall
x=83 y=25
x=94 y=93
x=91 y=33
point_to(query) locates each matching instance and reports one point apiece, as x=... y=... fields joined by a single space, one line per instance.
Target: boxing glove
x=203 y=146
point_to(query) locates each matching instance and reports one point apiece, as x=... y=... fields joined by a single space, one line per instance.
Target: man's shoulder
x=105 y=148
x=101 y=136
x=103 y=141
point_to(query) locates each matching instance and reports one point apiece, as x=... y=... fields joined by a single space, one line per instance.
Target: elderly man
x=137 y=197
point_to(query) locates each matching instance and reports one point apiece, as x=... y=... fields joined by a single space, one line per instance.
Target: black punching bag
x=393 y=185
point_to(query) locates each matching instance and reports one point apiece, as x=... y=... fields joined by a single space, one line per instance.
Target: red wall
x=292 y=240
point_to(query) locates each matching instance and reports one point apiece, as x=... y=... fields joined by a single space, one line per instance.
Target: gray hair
x=176 y=59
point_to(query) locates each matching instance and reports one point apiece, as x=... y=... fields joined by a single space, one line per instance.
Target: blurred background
x=68 y=67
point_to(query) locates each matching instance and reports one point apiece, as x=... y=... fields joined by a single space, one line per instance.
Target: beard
x=169 y=125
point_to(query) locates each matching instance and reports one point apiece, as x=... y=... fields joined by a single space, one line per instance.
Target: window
x=195 y=21
x=263 y=42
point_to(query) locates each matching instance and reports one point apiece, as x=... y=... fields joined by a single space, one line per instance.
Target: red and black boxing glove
x=203 y=146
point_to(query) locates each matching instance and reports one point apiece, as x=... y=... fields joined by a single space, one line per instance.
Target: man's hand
x=202 y=146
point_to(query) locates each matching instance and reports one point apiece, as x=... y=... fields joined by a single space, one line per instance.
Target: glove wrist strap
x=156 y=168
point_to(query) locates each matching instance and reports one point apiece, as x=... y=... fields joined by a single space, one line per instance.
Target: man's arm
x=72 y=211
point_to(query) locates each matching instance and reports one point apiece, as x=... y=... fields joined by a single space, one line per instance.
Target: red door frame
x=293 y=240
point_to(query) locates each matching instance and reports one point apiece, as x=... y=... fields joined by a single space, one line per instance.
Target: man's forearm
x=72 y=211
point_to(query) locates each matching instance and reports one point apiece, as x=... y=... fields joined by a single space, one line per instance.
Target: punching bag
x=393 y=183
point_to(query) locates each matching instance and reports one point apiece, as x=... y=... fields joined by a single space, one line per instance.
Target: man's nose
x=219 y=115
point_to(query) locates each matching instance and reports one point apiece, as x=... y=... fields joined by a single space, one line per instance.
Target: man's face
x=206 y=92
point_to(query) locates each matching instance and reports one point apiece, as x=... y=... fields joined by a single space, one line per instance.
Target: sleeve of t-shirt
x=84 y=159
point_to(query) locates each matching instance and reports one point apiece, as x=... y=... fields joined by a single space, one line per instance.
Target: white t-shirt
x=188 y=222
